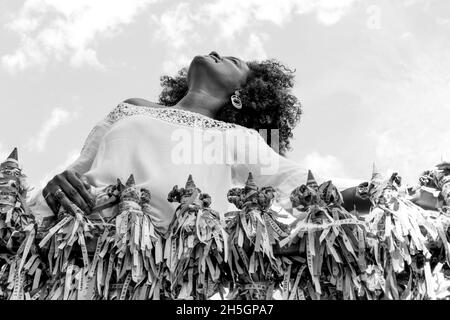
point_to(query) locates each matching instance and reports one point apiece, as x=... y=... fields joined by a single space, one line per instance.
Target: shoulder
x=140 y=102
x=130 y=107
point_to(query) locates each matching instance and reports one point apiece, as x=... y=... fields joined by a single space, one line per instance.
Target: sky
x=373 y=76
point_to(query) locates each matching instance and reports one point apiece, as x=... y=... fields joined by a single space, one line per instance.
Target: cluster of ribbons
x=253 y=231
x=408 y=246
x=331 y=240
x=397 y=251
x=91 y=257
x=20 y=262
x=196 y=247
x=435 y=183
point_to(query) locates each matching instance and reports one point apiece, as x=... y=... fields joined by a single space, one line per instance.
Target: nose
x=214 y=53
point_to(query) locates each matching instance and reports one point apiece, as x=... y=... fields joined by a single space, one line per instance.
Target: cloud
x=57 y=118
x=175 y=23
x=324 y=165
x=233 y=16
x=328 y=167
x=255 y=47
x=183 y=27
x=330 y=12
x=230 y=17
x=413 y=133
x=409 y=151
x=54 y=30
x=443 y=21
x=175 y=62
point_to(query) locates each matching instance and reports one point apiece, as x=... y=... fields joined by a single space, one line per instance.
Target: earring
x=236 y=100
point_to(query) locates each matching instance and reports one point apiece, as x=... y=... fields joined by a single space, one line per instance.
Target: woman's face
x=219 y=76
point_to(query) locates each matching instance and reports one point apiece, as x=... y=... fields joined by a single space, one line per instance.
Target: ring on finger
x=59 y=194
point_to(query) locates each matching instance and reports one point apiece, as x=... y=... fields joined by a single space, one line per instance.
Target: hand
x=354 y=200
x=443 y=166
x=74 y=189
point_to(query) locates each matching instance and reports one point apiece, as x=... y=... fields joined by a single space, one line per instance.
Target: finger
x=78 y=184
x=51 y=202
x=443 y=166
x=64 y=202
x=84 y=180
x=71 y=194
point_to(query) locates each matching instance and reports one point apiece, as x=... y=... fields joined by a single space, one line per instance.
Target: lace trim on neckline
x=169 y=114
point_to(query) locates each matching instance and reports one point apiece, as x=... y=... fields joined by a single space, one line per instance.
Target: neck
x=201 y=102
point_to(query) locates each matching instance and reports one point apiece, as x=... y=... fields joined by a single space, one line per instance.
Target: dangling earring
x=236 y=100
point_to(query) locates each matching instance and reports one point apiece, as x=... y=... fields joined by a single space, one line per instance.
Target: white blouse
x=161 y=146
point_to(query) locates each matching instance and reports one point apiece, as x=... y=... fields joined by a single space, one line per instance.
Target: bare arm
x=271 y=169
x=71 y=182
x=353 y=201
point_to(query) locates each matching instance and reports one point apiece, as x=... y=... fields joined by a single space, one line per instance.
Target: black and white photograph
x=226 y=155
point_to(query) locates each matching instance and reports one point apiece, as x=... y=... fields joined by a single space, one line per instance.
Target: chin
x=200 y=59
x=202 y=64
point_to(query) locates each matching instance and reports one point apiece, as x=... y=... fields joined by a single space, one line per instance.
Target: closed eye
x=235 y=61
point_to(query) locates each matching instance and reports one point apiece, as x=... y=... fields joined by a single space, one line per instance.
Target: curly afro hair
x=267 y=102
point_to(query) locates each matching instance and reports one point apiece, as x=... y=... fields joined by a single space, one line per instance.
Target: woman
x=205 y=126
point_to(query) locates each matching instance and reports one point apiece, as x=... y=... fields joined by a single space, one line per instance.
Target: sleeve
x=81 y=165
x=90 y=148
x=270 y=169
